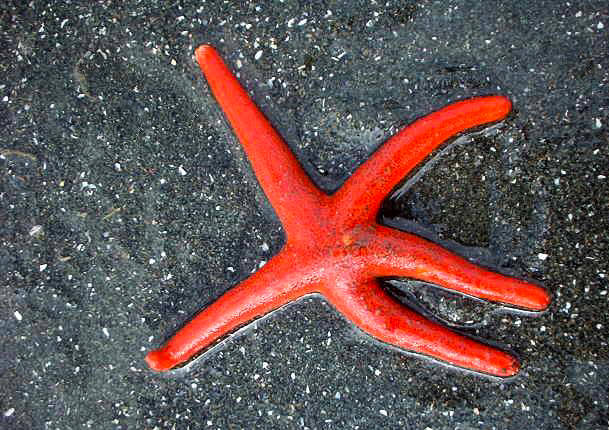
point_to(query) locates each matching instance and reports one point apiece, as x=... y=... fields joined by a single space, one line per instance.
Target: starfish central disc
x=335 y=246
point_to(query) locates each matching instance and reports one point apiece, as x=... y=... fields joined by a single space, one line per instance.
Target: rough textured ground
x=126 y=206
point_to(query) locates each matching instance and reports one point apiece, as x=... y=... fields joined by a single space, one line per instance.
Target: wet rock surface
x=126 y=205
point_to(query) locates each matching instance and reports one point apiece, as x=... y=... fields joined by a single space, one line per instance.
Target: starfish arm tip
x=540 y=300
x=203 y=49
x=492 y=108
x=204 y=53
x=506 y=367
x=157 y=360
x=503 y=106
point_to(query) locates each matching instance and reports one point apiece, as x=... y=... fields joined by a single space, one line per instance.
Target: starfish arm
x=361 y=196
x=268 y=289
x=397 y=253
x=287 y=186
x=374 y=311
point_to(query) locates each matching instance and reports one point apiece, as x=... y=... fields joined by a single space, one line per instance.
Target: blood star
x=335 y=246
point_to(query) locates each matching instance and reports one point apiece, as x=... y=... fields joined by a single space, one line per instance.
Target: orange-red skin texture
x=335 y=247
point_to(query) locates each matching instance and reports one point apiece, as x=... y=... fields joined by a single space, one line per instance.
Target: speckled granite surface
x=126 y=205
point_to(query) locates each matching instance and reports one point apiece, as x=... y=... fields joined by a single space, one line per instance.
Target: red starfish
x=336 y=247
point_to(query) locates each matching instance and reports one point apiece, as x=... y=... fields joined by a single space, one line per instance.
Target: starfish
x=336 y=247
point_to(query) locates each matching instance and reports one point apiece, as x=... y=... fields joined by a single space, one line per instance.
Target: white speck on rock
x=598 y=123
x=34 y=231
x=181 y=171
x=542 y=256
x=106 y=332
x=600 y=26
x=258 y=55
x=42 y=267
x=9 y=412
x=18 y=316
x=383 y=412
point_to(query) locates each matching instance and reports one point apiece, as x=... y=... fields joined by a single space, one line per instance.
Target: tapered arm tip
x=204 y=51
x=540 y=299
x=502 y=105
x=158 y=361
x=504 y=365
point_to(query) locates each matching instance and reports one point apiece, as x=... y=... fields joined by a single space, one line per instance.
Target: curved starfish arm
x=372 y=309
x=397 y=253
x=268 y=289
x=290 y=191
x=362 y=194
